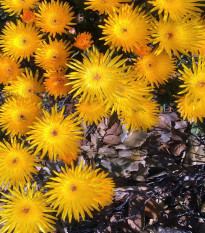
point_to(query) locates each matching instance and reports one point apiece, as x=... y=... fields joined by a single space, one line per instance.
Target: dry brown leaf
x=106 y=151
x=135 y=139
x=166 y=119
x=112 y=139
x=178 y=149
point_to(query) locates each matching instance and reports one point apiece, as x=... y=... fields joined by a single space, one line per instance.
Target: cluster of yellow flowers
x=156 y=33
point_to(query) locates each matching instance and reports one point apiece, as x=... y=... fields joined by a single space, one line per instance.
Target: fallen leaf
x=106 y=151
x=112 y=139
x=135 y=139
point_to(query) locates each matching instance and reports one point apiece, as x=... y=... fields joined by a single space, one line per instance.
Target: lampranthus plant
x=177 y=9
x=54 y=17
x=142 y=50
x=25 y=210
x=143 y=118
x=53 y=55
x=156 y=69
x=17 y=164
x=26 y=86
x=97 y=77
x=55 y=83
x=77 y=191
x=130 y=93
x=20 y=40
x=16 y=6
x=103 y=6
x=56 y=135
x=177 y=36
x=191 y=110
x=9 y=69
x=28 y=16
x=127 y=28
x=91 y=113
x=83 y=41
x=16 y=114
x=67 y=159
x=194 y=80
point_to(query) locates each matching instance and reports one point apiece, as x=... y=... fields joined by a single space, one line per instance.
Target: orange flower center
x=97 y=77
x=22 y=117
x=170 y=35
x=54 y=133
x=15 y=161
x=73 y=188
x=201 y=83
x=26 y=210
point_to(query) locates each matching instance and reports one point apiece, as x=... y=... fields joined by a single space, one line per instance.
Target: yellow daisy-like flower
x=53 y=55
x=97 y=77
x=55 y=83
x=79 y=190
x=176 y=9
x=194 y=80
x=191 y=110
x=155 y=68
x=129 y=92
x=26 y=211
x=90 y=113
x=26 y=86
x=103 y=6
x=177 y=36
x=54 y=17
x=16 y=6
x=20 y=40
x=17 y=164
x=200 y=49
x=143 y=118
x=9 y=69
x=56 y=135
x=16 y=114
x=126 y=28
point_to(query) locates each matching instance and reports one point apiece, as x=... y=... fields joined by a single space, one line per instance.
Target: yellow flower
x=176 y=9
x=97 y=77
x=90 y=112
x=55 y=83
x=79 y=190
x=191 y=110
x=103 y=6
x=54 y=17
x=126 y=28
x=143 y=118
x=129 y=92
x=20 y=41
x=9 y=69
x=16 y=6
x=16 y=114
x=155 y=68
x=26 y=211
x=83 y=41
x=26 y=86
x=53 y=55
x=194 y=80
x=17 y=164
x=177 y=36
x=55 y=134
